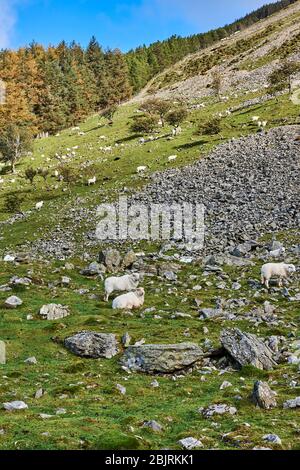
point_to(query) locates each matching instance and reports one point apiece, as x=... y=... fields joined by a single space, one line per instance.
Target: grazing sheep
x=128 y=283
x=141 y=169
x=92 y=181
x=280 y=270
x=277 y=253
x=172 y=158
x=255 y=118
x=39 y=205
x=129 y=301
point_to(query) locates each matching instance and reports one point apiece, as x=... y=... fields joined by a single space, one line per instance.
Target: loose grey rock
x=190 y=443
x=39 y=393
x=154 y=425
x=161 y=358
x=129 y=259
x=13 y=302
x=218 y=410
x=263 y=396
x=294 y=403
x=20 y=281
x=15 y=406
x=246 y=348
x=272 y=438
x=91 y=344
x=31 y=361
x=121 y=389
x=126 y=339
x=111 y=259
x=54 y=311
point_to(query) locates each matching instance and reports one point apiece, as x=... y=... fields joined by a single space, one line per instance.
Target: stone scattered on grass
x=273 y=438
x=246 y=349
x=212 y=410
x=31 y=361
x=294 y=403
x=154 y=425
x=190 y=443
x=91 y=344
x=263 y=396
x=15 y=406
x=121 y=389
x=163 y=358
x=13 y=302
x=54 y=311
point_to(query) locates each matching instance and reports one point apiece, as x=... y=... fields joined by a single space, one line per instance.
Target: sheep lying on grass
x=280 y=270
x=129 y=301
x=127 y=283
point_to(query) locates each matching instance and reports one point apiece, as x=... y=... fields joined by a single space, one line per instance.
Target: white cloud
x=7 y=21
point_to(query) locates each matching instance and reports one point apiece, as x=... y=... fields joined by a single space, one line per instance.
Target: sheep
x=277 y=253
x=141 y=169
x=172 y=158
x=129 y=301
x=280 y=270
x=255 y=118
x=92 y=181
x=39 y=205
x=127 y=283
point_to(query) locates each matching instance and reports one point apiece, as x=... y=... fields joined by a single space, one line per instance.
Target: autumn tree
x=14 y=143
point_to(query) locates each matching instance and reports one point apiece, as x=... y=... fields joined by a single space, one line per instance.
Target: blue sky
x=116 y=23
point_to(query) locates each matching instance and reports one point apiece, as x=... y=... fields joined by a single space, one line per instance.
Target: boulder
x=91 y=344
x=263 y=396
x=246 y=349
x=54 y=311
x=218 y=410
x=13 y=302
x=111 y=259
x=94 y=269
x=161 y=358
x=15 y=406
x=129 y=259
x=190 y=443
x=293 y=403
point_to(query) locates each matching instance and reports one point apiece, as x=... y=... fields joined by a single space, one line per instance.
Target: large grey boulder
x=111 y=259
x=93 y=345
x=54 y=311
x=246 y=349
x=263 y=396
x=163 y=358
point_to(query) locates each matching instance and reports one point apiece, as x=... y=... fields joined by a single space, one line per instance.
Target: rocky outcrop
x=246 y=349
x=161 y=358
x=54 y=311
x=91 y=344
x=263 y=396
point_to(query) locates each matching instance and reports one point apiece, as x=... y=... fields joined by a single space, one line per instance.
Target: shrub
x=13 y=203
x=30 y=174
x=177 y=116
x=147 y=123
x=211 y=127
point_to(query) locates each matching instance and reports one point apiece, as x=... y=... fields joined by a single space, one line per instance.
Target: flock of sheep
x=135 y=296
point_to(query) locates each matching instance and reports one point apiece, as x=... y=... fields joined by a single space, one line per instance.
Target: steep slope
x=245 y=60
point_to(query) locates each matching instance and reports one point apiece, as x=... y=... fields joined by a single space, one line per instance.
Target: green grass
x=97 y=415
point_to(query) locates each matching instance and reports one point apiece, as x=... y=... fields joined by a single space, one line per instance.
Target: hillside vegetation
x=191 y=297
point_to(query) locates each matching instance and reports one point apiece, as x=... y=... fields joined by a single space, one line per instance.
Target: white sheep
x=255 y=118
x=39 y=205
x=129 y=301
x=127 y=283
x=141 y=169
x=92 y=181
x=280 y=270
x=172 y=158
